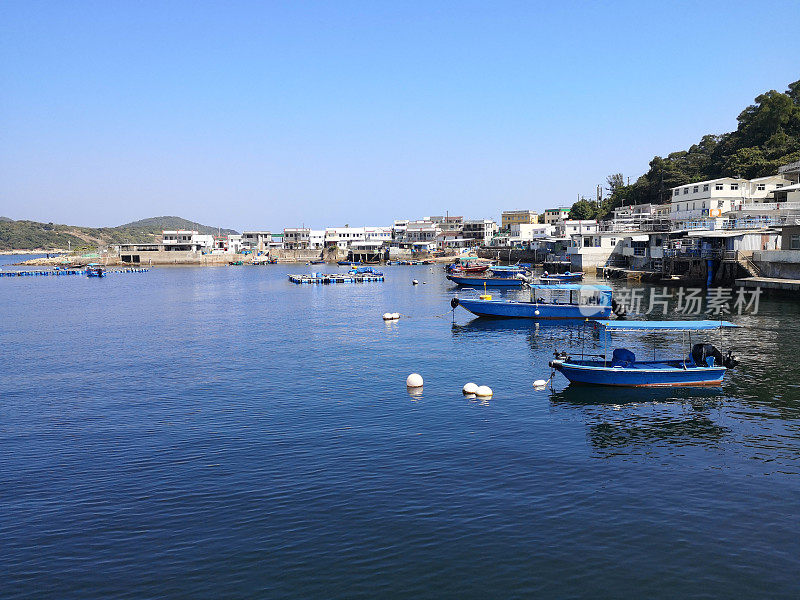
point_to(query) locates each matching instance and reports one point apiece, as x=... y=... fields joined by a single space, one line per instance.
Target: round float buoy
x=470 y=389
x=387 y=316
x=414 y=380
x=536 y=312
x=484 y=391
x=415 y=282
x=540 y=383
x=395 y=316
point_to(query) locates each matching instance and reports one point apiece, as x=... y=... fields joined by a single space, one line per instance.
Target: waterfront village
x=723 y=230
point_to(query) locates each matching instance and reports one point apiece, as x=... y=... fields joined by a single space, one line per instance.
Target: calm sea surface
x=222 y=433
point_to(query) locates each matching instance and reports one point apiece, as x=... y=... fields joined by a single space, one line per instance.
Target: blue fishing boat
x=561 y=301
x=567 y=277
x=348 y=263
x=95 y=270
x=702 y=365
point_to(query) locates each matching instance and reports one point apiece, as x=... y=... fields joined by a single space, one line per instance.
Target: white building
x=187 y=240
x=421 y=231
x=527 y=232
x=716 y=197
x=481 y=230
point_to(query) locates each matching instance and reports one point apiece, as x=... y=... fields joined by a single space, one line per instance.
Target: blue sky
x=271 y=115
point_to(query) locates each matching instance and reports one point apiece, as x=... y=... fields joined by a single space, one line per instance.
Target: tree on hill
x=767 y=136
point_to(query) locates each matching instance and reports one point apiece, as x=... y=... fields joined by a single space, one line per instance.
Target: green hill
x=768 y=136
x=32 y=235
x=159 y=224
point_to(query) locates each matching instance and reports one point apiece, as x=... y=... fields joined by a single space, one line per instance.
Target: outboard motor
x=702 y=352
x=730 y=360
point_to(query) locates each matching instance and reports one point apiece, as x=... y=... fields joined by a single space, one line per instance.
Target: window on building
x=676 y=192
x=720 y=203
x=761 y=187
x=695 y=189
x=734 y=186
x=796 y=242
x=685 y=190
x=780 y=185
x=719 y=187
x=705 y=188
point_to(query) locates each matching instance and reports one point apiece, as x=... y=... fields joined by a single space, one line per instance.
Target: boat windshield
x=579 y=295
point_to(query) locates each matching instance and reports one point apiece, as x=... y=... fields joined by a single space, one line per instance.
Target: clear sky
x=277 y=114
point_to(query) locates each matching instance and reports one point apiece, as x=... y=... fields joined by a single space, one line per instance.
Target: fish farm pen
x=322 y=278
x=64 y=272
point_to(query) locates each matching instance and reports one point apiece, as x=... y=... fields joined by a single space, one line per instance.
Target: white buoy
x=415 y=282
x=387 y=316
x=395 y=316
x=540 y=383
x=414 y=380
x=470 y=389
x=483 y=391
x=536 y=312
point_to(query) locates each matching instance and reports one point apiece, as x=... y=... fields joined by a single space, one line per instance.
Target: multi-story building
x=187 y=241
x=714 y=198
x=480 y=230
x=512 y=217
x=256 y=240
x=296 y=238
x=449 y=226
x=555 y=215
x=421 y=231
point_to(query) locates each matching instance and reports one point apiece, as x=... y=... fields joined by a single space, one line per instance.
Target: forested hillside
x=768 y=136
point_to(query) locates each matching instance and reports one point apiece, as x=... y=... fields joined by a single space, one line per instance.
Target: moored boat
x=567 y=277
x=563 y=301
x=95 y=270
x=702 y=365
x=475 y=281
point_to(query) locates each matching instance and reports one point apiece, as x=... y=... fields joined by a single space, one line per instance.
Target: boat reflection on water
x=583 y=395
x=639 y=420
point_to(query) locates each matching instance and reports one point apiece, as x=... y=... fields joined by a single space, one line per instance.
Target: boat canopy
x=571 y=287
x=662 y=325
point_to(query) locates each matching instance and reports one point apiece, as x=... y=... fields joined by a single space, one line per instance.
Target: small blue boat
x=95 y=270
x=560 y=301
x=348 y=263
x=703 y=365
x=364 y=271
x=561 y=277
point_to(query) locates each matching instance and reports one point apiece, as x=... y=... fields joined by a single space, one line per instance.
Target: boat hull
x=497 y=282
x=649 y=374
x=529 y=310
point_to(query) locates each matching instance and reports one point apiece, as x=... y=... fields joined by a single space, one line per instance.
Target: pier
x=769 y=283
x=335 y=278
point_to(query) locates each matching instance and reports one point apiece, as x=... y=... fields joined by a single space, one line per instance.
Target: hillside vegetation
x=768 y=136
x=32 y=235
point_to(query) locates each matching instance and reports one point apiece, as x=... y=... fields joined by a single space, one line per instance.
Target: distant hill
x=159 y=224
x=32 y=235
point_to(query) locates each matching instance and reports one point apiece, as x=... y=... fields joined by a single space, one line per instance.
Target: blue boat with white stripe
x=559 y=301
x=703 y=365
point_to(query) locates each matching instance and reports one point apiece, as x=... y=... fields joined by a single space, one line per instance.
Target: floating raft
x=335 y=278
x=64 y=272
